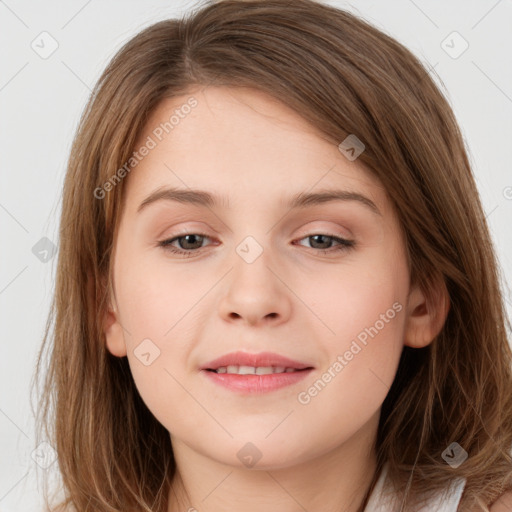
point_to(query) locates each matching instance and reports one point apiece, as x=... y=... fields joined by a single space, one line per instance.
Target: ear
x=426 y=315
x=113 y=330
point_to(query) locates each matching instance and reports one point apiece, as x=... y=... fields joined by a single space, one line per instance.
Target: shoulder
x=503 y=503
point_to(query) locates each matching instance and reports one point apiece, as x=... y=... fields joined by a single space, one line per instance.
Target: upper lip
x=256 y=360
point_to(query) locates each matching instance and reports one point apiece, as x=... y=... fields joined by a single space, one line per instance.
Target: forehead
x=241 y=143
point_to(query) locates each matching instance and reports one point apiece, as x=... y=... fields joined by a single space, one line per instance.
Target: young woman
x=276 y=288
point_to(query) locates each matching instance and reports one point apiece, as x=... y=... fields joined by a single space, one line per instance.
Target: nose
x=256 y=294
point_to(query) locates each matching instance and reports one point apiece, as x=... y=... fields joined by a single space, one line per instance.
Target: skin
x=293 y=300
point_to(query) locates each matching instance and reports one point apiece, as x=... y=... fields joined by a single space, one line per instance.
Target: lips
x=262 y=359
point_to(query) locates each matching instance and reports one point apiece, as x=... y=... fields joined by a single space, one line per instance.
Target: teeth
x=251 y=370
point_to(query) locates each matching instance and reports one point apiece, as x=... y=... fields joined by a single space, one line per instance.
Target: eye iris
x=328 y=238
x=185 y=237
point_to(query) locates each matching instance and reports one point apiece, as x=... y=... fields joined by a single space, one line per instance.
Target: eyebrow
x=298 y=201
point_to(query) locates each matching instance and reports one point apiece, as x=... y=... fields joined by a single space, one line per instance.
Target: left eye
x=343 y=244
x=194 y=241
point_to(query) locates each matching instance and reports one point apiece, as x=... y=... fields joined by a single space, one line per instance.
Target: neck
x=337 y=481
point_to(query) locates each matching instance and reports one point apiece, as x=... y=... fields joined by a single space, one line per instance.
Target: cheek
x=157 y=298
x=354 y=295
x=158 y=349
x=361 y=311
x=158 y=307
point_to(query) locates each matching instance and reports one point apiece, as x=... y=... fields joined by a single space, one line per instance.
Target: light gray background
x=41 y=101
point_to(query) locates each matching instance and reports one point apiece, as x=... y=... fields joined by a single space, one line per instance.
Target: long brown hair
x=345 y=77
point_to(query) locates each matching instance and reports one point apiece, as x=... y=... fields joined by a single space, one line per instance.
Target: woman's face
x=266 y=276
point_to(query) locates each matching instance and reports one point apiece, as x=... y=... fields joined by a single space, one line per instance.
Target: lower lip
x=256 y=383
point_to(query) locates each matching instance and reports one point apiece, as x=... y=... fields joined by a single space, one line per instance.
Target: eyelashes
x=166 y=245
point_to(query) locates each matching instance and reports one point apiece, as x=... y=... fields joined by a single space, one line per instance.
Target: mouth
x=262 y=363
x=256 y=370
x=255 y=380
x=249 y=374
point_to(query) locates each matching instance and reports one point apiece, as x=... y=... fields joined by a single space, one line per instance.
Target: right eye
x=190 y=239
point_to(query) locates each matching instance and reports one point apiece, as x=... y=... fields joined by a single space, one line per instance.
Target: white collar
x=382 y=500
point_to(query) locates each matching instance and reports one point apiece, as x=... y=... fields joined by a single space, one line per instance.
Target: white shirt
x=447 y=501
